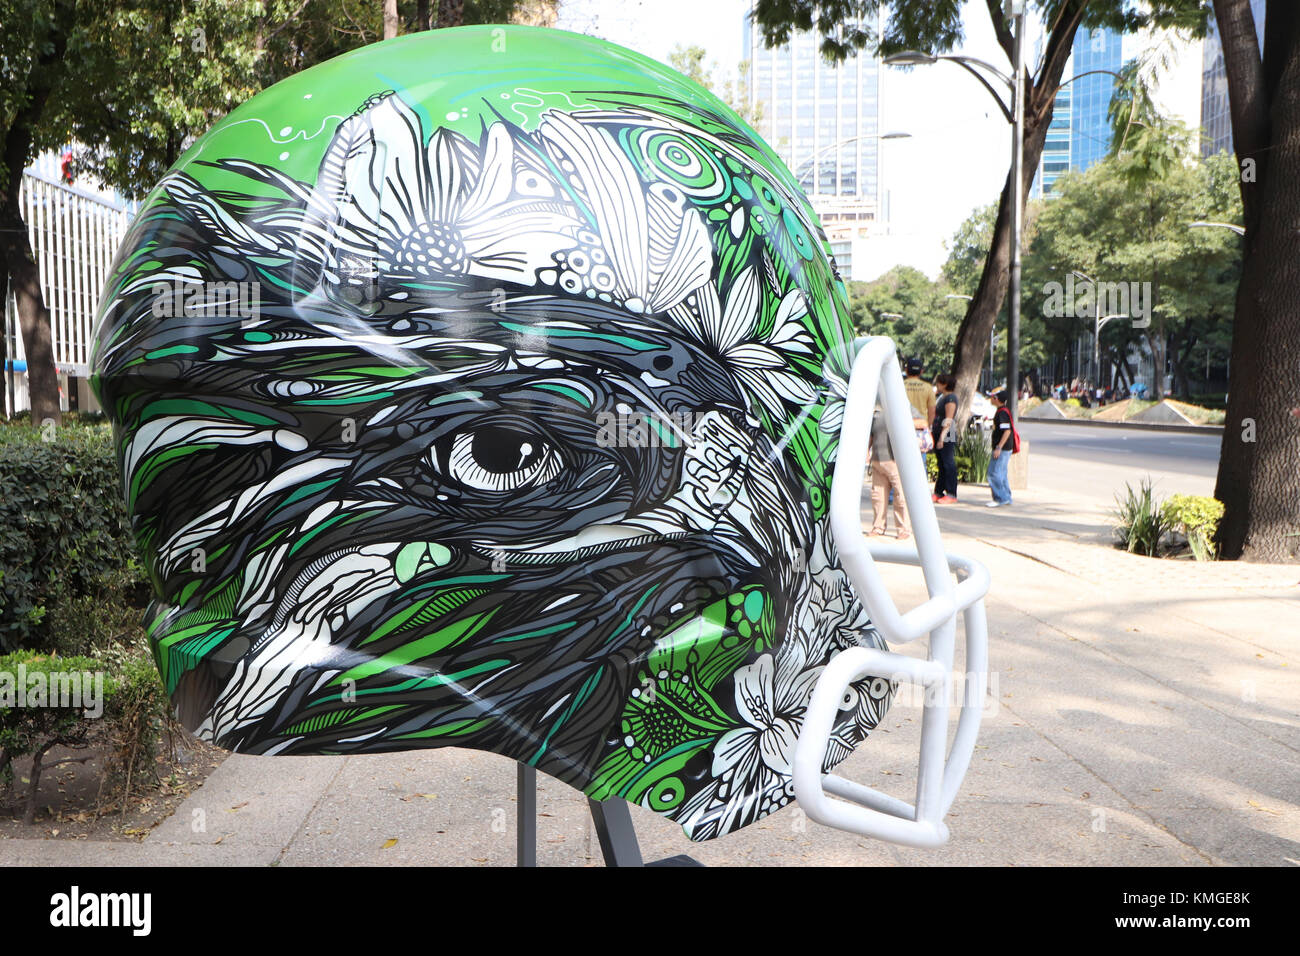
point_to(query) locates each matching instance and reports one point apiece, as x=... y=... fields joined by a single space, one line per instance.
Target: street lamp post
x=896 y=134
x=1101 y=324
x=1098 y=321
x=1015 y=9
x=1096 y=325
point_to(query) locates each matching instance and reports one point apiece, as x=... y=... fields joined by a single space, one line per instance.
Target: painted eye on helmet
x=500 y=458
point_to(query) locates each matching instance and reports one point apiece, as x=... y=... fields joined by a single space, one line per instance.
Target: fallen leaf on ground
x=1252 y=803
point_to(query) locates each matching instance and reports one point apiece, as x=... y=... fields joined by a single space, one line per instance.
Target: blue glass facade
x=1079 y=135
x=1216 y=121
x=1090 y=127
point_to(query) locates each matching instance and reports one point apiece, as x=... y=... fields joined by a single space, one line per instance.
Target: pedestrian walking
x=945 y=440
x=920 y=394
x=884 y=479
x=1003 y=448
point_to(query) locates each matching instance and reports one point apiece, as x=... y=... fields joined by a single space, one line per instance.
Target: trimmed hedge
x=128 y=703
x=64 y=532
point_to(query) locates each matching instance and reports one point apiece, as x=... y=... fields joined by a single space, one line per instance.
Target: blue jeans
x=998 y=477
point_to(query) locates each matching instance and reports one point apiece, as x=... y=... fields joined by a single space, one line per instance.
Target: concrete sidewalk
x=1141 y=712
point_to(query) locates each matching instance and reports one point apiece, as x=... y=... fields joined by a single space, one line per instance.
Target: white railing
x=74 y=235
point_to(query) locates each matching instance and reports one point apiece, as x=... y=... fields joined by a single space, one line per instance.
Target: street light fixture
x=1202 y=224
x=896 y=134
x=1015 y=114
x=1097 y=323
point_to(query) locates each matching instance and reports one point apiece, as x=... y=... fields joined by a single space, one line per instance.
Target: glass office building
x=1216 y=120
x=823 y=121
x=1079 y=135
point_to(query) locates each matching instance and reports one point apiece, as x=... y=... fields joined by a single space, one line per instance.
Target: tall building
x=823 y=121
x=1079 y=135
x=1091 y=94
x=1216 y=121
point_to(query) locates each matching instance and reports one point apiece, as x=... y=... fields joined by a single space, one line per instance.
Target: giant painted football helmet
x=494 y=388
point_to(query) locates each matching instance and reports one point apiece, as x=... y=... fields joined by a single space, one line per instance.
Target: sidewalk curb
x=1141 y=426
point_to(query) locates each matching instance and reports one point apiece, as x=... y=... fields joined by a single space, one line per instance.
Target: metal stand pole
x=613 y=822
x=1017 y=7
x=525 y=815
x=618 y=843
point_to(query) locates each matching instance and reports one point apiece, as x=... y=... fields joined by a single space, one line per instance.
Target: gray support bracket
x=612 y=819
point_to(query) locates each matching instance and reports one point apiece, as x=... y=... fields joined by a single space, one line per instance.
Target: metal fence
x=74 y=234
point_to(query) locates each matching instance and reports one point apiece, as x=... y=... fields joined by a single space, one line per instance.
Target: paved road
x=1135 y=448
x=1098 y=461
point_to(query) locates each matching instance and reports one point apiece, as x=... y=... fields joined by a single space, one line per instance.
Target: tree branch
x=1003 y=30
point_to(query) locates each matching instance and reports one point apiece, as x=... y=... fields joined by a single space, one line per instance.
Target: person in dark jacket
x=945 y=440
x=1003 y=447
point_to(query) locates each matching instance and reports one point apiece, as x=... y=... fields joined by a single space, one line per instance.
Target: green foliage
x=935 y=26
x=1197 y=517
x=31 y=729
x=974 y=452
x=928 y=323
x=968 y=248
x=1140 y=522
x=122 y=710
x=137 y=713
x=66 y=552
x=689 y=61
x=1126 y=220
x=139 y=80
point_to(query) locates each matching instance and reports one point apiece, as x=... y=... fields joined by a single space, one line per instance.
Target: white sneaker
x=993 y=504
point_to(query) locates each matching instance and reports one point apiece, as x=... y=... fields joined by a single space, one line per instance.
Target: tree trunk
x=33 y=788
x=423 y=17
x=390 y=19
x=33 y=317
x=451 y=13
x=1259 y=462
x=1040 y=100
x=4 y=372
x=16 y=256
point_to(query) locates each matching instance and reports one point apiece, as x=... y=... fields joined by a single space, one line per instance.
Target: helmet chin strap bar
x=862 y=809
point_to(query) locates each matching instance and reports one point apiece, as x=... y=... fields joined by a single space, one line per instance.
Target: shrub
x=973 y=456
x=137 y=715
x=1140 y=523
x=33 y=725
x=64 y=533
x=1197 y=517
x=124 y=710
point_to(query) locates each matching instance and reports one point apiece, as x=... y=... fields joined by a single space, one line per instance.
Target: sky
x=959 y=149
